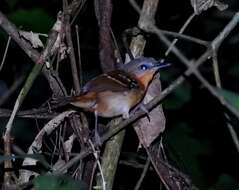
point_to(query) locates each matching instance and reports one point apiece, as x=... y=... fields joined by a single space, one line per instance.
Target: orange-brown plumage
x=116 y=92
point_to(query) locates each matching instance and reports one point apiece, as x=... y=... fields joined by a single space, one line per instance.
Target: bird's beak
x=160 y=65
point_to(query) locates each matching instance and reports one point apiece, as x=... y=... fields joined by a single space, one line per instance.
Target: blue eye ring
x=143 y=67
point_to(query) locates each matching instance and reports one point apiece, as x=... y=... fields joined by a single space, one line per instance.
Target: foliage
x=52 y=182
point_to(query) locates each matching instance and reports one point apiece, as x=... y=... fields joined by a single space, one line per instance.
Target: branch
x=40 y=60
x=191 y=69
x=191 y=65
x=72 y=56
x=34 y=55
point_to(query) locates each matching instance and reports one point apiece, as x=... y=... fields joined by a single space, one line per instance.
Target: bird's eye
x=143 y=67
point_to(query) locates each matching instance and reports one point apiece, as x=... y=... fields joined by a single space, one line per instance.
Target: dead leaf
x=146 y=130
x=33 y=38
x=203 y=5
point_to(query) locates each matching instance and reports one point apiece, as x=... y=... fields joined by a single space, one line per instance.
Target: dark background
x=196 y=138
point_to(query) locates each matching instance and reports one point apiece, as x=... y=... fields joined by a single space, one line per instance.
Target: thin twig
x=146 y=167
x=216 y=69
x=184 y=60
x=186 y=37
x=7 y=134
x=81 y=5
x=5 y=52
x=74 y=69
x=233 y=134
x=53 y=79
x=12 y=31
x=135 y=6
x=74 y=6
x=219 y=85
x=99 y=165
x=71 y=162
x=27 y=114
x=180 y=32
x=79 y=56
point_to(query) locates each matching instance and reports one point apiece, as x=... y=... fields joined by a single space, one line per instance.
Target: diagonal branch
x=53 y=79
x=191 y=69
x=214 y=44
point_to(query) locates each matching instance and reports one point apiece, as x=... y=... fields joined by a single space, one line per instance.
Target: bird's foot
x=143 y=108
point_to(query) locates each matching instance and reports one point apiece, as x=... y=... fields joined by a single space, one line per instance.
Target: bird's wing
x=115 y=81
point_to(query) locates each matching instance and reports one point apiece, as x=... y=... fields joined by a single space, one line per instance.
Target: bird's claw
x=143 y=108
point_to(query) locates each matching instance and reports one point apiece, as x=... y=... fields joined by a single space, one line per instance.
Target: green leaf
x=225 y=182
x=51 y=182
x=36 y=20
x=185 y=150
x=230 y=97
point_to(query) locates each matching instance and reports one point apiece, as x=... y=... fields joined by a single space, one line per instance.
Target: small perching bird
x=115 y=93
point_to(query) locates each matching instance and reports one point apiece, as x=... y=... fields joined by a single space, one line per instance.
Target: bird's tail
x=86 y=101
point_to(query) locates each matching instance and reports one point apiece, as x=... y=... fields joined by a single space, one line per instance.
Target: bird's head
x=143 y=68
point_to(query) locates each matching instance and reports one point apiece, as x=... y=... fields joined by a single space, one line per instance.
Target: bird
x=116 y=92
